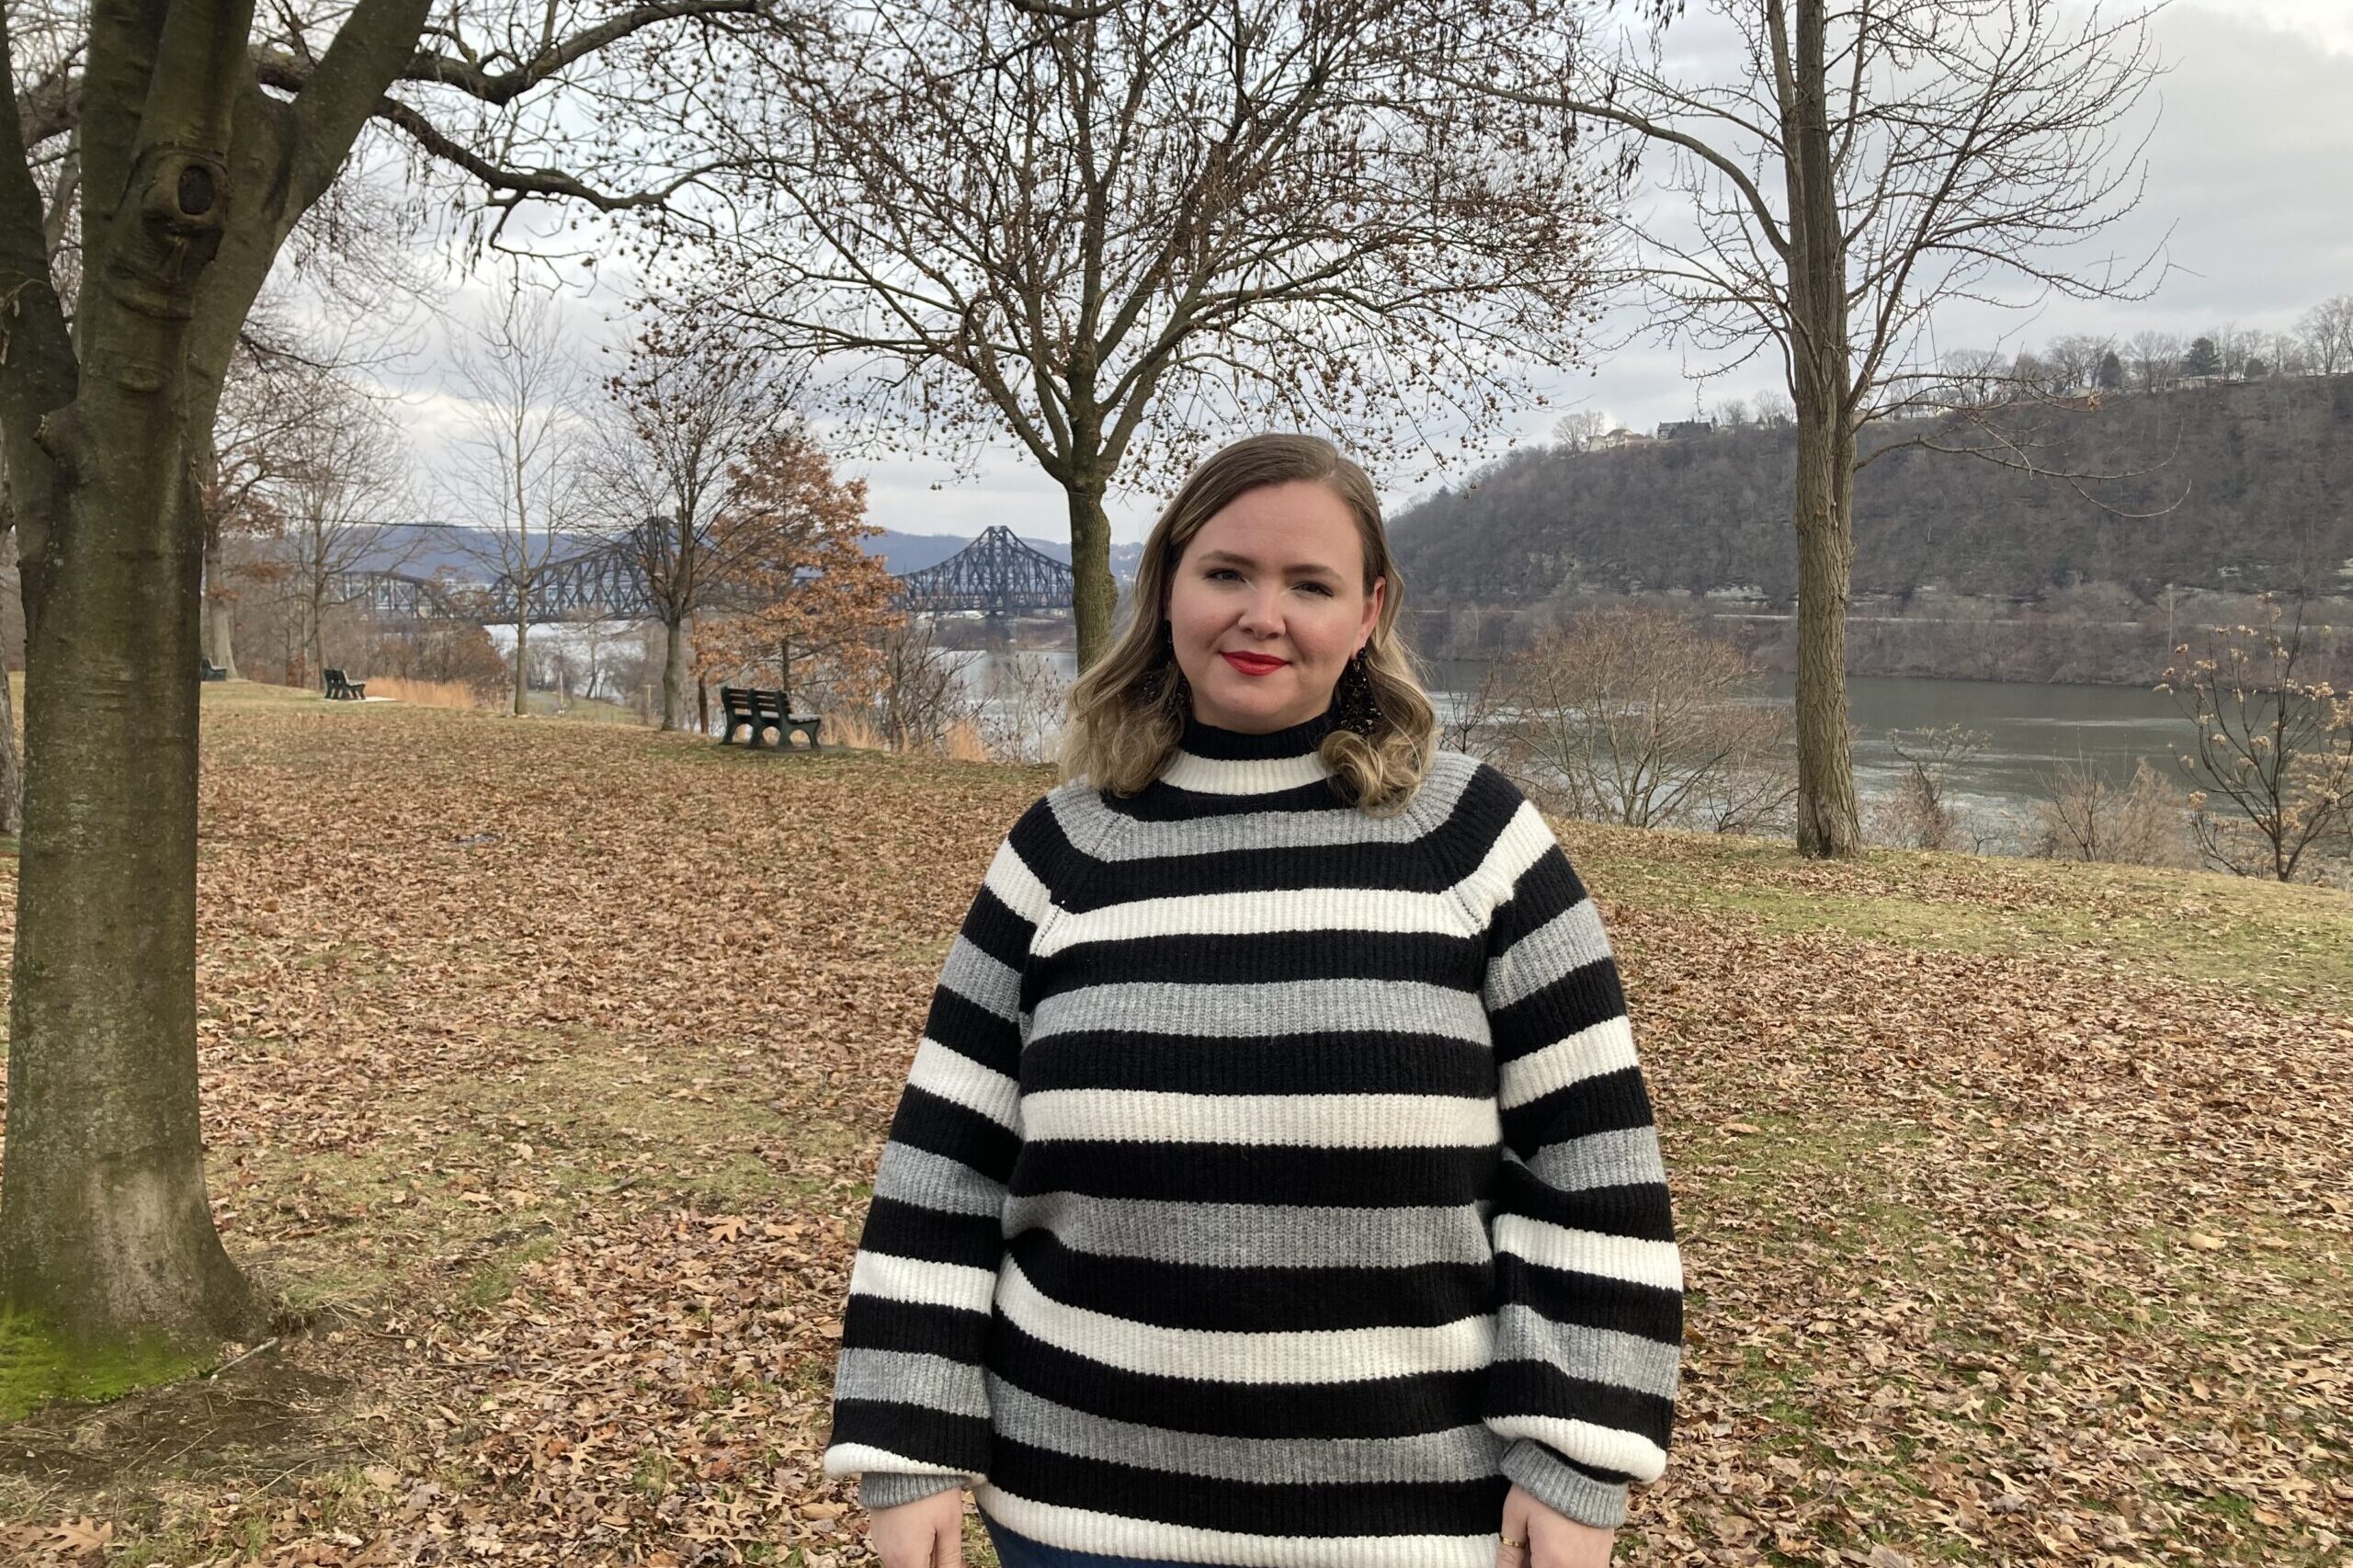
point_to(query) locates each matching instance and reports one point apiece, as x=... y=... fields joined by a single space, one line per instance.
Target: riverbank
x=546 y=1066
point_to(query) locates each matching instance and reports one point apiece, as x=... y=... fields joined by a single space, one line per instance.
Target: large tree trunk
x=1094 y=596
x=674 y=673
x=220 y=621
x=1822 y=376
x=105 y=1231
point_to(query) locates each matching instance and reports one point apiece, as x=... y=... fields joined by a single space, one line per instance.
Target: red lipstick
x=1254 y=664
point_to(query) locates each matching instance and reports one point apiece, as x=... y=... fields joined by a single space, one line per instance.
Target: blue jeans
x=1019 y=1551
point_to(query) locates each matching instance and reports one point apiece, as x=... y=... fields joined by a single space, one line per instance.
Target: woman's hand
x=925 y=1533
x=1548 y=1538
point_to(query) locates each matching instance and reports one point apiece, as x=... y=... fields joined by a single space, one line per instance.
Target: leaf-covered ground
x=546 y=1065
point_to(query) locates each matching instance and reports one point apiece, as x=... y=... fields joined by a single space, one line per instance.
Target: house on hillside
x=1686 y=429
x=1621 y=437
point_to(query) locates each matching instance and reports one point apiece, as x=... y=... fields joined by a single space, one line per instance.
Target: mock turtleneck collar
x=1212 y=760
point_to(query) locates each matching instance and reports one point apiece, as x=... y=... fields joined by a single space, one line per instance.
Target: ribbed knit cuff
x=887 y=1489
x=1546 y=1477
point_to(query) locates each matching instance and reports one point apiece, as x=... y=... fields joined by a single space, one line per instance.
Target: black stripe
x=1389 y=868
x=910 y=1229
x=1433 y=956
x=877 y=1323
x=1375 y=1407
x=1606 y=1102
x=970 y=1030
x=924 y=1121
x=1371 y=1063
x=1547 y=887
x=1642 y=1210
x=1593 y=1301
x=919 y=1432
x=1250 y=1508
x=1229 y=1173
x=1163 y=801
x=1539 y=1387
x=991 y=925
x=1585 y=996
x=1260 y=1299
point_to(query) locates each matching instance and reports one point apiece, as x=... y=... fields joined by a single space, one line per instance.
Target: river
x=2029 y=729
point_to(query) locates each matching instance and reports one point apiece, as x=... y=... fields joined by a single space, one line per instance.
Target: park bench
x=342 y=690
x=759 y=710
x=207 y=670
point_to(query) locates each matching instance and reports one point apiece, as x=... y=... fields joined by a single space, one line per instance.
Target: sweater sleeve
x=1588 y=1277
x=909 y=1411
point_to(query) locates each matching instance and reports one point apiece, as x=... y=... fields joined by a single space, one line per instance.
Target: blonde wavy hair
x=1129 y=709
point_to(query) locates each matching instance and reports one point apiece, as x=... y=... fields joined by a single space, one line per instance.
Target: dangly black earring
x=1157 y=683
x=1355 y=707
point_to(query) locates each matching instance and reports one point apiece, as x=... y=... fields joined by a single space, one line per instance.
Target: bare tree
x=1920 y=814
x=331 y=503
x=154 y=160
x=690 y=408
x=2327 y=332
x=2156 y=358
x=1580 y=431
x=1635 y=716
x=1858 y=169
x=2075 y=360
x=520 y=461
x=2273 y=767
x=2079 y=814
x=1105 y=232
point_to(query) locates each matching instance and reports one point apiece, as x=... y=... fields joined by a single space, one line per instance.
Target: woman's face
x=1267 y=605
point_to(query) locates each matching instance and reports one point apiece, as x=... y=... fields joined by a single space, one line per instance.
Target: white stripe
x=1610 y=1448
x=1520 y=844
x=917 y=1279
x=1313 y=1121
x=1226 y=1355
x=954 y=1076
x=863 y=1458
x=1258 y=776
x=1011 y=880
x=1083 y=1529
x=1605 y=1046
x=1258 y=913
x=1630 y=1258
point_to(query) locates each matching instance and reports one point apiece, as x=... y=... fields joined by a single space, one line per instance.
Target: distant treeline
x=2233 y=487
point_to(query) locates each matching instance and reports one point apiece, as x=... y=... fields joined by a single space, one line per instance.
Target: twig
x=239 y=1361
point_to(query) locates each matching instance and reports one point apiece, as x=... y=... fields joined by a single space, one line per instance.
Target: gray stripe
x=1295 y=1007
x=1603 y=1354
x=1539 y=1472
x=1567 y=941
x=1459 y=1453
x=909 y=1175
x=903 y=1377
x=1248 y=1235
x=1600 y=1159
x=1081 y=814
x=970 y=972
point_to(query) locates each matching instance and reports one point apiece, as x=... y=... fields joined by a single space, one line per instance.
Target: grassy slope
x=2012 y=1196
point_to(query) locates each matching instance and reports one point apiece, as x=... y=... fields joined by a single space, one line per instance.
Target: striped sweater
x=1274 y=1185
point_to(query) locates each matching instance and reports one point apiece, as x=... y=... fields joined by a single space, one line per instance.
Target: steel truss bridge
x=996 y=573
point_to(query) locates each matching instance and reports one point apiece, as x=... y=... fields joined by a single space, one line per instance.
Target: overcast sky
x=2250 y=169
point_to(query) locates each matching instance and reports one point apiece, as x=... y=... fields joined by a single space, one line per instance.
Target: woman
x=1275 y=1185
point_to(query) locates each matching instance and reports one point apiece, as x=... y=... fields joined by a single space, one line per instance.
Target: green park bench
x=758 y=710
x=207 y=670
x=342 y=690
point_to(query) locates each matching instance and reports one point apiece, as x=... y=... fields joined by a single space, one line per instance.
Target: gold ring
x=1514 y=1545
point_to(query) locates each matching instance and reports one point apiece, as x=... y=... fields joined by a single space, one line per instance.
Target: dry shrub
x=857 y=731
x=964 y=743
x=2082 y=816
x=1919 y=812
x=427 y=693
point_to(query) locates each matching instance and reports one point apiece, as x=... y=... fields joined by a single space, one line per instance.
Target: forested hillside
x=2252 y=484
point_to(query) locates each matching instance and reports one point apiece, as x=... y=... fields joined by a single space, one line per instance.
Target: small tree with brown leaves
x=799 y=585
x=2273 y=761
